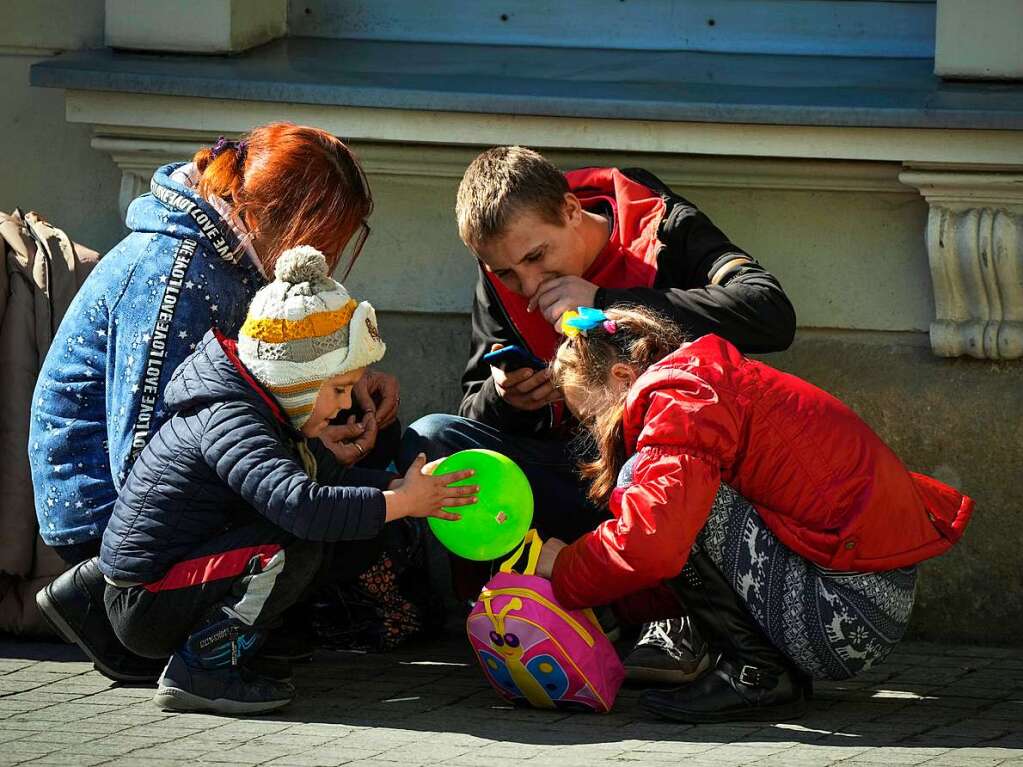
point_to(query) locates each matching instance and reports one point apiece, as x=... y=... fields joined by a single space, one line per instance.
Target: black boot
x=210 y=673
x=73 y=606
x=751 y=679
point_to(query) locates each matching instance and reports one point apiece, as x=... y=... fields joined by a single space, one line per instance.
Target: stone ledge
x=674 y=86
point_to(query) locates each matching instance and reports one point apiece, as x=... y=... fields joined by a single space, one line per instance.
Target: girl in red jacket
x=787 y=528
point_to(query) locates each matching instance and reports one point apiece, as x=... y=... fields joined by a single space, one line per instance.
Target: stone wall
x=47 y=164
x=957 y=420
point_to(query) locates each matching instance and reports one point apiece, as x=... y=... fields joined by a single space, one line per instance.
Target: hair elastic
x=223 y=144
x=583 y=319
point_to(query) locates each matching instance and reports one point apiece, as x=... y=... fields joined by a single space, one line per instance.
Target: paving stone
x=898 y=755
x=326 y=757
x=70 y=759
x=955 y=760
x=30 y=747
x=475 y=759
x=930 y=705
x=27 y=721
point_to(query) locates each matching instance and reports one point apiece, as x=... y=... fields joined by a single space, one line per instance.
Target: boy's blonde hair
x=502 y=183
x=641 y=339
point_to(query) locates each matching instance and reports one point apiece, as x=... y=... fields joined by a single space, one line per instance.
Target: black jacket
x=748 y=308
x=222 y=458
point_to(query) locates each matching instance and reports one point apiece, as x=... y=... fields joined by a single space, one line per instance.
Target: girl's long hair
x=301 y=185
x=641 y=338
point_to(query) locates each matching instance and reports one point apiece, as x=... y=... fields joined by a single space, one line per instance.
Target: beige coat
x=42 y=270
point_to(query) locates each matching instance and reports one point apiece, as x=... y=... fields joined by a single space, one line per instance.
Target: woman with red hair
x=201 y=243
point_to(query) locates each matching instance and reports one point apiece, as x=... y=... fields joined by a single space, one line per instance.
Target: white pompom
x=302 y=264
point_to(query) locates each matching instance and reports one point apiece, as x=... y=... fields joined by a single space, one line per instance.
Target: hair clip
x=223 y=144
x=581 y=320
x=611 y=326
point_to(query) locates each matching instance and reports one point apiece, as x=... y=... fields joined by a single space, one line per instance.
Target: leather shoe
x=73 y=606
x=731 y=692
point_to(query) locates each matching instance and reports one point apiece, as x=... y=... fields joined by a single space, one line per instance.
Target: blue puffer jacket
x=143 y=309
x=227 y=454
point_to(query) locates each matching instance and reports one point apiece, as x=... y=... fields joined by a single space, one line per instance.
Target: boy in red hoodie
x=547 y=242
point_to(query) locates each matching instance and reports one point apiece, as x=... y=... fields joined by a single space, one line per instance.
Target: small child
x=787 y=528
x=225 y=516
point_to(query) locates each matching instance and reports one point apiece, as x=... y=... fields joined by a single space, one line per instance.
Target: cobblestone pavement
x=934 y=705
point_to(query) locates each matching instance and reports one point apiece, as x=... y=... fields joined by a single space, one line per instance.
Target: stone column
x=194 y=26
x=139 y=158
x=975 y=249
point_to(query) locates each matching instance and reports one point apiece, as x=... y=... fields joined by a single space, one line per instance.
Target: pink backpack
x=535 y=651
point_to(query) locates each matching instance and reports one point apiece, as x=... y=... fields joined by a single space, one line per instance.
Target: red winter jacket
x=821 y=479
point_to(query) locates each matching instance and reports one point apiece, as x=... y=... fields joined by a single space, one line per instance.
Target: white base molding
x=974 y=231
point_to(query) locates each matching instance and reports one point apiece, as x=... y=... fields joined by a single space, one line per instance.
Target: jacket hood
x=680 y=371
x=176 y=210
x=213 y=373
x=628 y=260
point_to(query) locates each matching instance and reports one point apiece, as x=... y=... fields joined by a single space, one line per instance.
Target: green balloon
x=499 y=520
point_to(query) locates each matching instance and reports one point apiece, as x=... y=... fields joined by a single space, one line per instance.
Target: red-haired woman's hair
x=300 y=185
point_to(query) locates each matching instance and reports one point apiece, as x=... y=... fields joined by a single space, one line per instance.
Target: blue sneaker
x=208 y=674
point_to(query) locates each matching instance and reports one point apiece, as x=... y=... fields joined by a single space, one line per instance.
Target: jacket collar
x=198 y=215
x=230 y=348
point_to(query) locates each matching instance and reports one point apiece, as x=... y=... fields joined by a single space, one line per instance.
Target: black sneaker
x=668 y=652
x=73 y=606
x=278 y=669
x=290 y=645
x=232 y=689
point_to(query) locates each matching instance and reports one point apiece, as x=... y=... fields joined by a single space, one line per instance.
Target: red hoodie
x=821 y=479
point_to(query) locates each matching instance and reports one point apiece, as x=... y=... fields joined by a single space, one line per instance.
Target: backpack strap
x=535 y=543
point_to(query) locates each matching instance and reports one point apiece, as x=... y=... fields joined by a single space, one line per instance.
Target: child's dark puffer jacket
x=225 y=455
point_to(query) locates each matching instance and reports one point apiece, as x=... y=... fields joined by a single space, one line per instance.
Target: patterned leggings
x=831 y=624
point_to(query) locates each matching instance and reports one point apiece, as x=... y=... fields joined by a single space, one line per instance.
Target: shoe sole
x=175 y=699
x=660 y=676
x=782 y=713
x=48 y=609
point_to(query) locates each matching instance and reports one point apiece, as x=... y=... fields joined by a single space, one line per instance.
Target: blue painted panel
x=899 y=29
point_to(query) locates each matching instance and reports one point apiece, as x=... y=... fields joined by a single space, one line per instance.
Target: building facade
x=869 y=153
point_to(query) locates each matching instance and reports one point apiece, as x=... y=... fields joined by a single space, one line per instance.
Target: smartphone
x=509 y=358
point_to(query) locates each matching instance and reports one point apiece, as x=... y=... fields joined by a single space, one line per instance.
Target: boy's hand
x=351 y=442
x=525 y=388
x=378 y=393
x=421 y=494
x=548 y=556
x=556 y=296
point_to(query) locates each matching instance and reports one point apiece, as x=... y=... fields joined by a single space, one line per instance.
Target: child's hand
x=525 y=388
x=421 y=494
x=548 y=555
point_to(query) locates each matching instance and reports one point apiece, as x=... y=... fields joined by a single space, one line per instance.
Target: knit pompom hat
x=304 y=328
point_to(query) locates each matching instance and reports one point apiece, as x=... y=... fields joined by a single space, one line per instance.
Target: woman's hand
x=548 y=555
x=352 y=441
x=421 y=494
x=378 y=393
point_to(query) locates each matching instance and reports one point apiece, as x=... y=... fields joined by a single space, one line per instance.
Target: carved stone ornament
x=975 y=248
